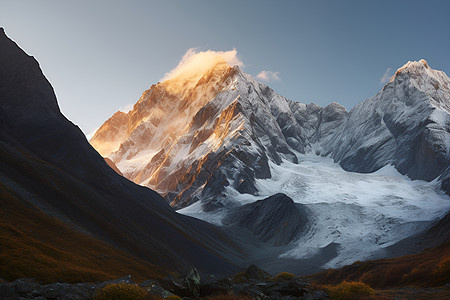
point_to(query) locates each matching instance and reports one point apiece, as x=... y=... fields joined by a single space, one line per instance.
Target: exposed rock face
x=114 y=129
x=251 y=282
x=407 y=124
x=277 y=219
x=190 y=143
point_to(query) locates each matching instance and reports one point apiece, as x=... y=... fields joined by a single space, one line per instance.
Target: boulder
x=155 y=289
x=185 y=285
x=25 y=286
x=247 y=289
x=54 y=291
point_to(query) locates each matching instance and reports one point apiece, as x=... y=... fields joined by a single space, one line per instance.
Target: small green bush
x=349 y=290
x=121 y=291
x=284 y=276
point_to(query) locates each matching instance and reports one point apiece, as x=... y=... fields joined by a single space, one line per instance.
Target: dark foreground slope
x=47 y=165
x=34 y=244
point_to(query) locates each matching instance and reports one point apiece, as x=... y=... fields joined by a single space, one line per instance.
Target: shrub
x=349 y=290
x=174 y=297
x=121 y=291
x=284 y=276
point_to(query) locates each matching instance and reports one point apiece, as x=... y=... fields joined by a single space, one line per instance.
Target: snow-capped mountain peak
x=412 y=67
x=435 y=83
x=194 y=134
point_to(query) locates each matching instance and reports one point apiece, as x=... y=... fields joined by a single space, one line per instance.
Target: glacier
x=361 y=212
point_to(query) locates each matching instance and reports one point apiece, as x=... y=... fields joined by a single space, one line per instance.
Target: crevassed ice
x=361 y=212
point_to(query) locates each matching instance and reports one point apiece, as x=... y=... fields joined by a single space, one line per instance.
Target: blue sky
x=101 y=55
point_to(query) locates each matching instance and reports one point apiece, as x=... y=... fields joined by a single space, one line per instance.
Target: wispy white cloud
x=268 y=76
x=386 y=76
x=196 y=62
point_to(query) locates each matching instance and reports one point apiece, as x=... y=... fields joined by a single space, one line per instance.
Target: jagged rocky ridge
x=407 y=124
x=190 y=143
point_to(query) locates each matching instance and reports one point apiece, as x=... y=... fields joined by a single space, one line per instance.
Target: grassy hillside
x=34 y=244
x=425 y=269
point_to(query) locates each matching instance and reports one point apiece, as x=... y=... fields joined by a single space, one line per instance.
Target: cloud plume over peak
x=268 y=76
x=195 y=63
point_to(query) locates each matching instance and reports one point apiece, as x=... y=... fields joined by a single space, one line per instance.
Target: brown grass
x=283 y=276
x=121 y=291
x=349 y=290
x=229 y=297
x=425 y=269
x=33 y=244
x=412 y=293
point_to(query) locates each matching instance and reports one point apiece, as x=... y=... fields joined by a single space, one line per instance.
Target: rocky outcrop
x=190 y=144
x=276 y=220
x=30 y=289
x=252 y=282
x=184 y=285
x=407 y=124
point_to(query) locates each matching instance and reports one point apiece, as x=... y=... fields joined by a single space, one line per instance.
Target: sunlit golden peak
x=411 y=66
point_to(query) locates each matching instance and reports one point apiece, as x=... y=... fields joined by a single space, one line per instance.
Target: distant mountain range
x=190 y=142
